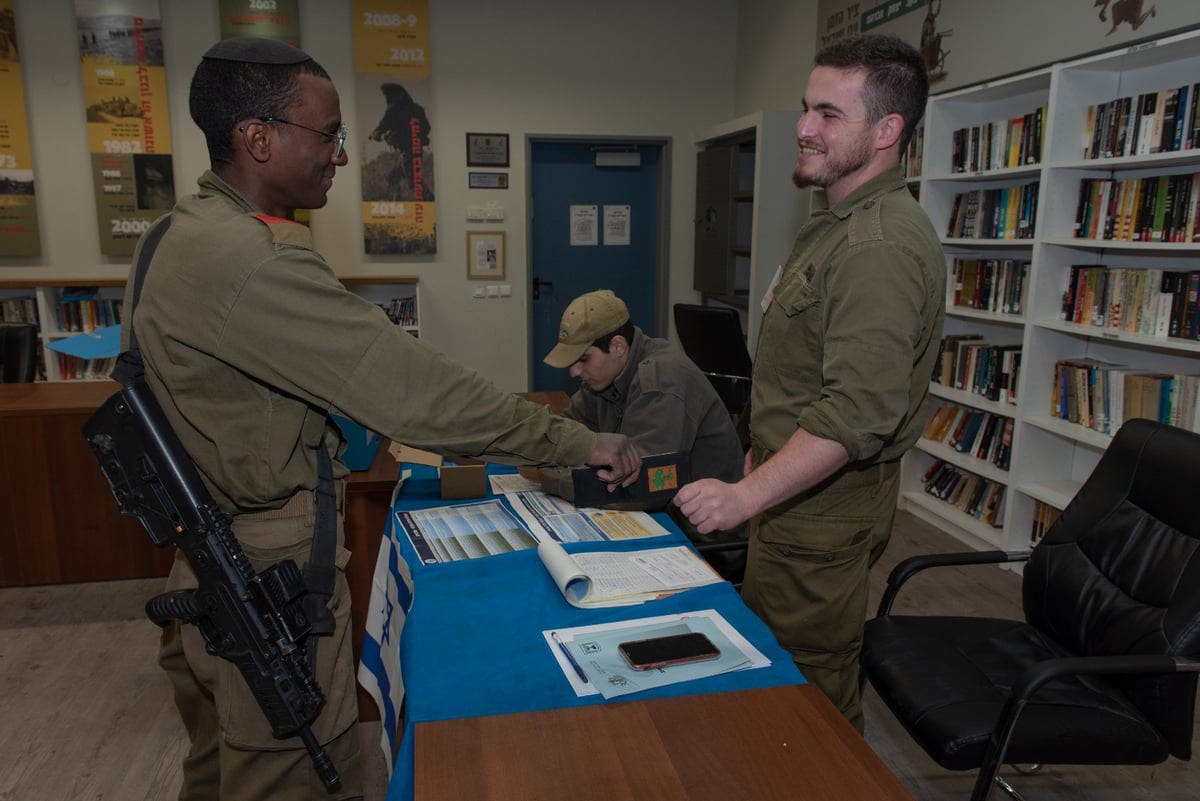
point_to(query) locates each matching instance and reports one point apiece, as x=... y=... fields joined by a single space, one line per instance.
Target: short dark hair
x=224 y=92
x=897 y=81
x=625 y=330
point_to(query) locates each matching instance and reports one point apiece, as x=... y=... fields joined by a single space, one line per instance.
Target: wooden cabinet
x=59 y=522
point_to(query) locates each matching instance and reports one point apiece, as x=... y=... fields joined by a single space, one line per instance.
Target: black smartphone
x=674 y=649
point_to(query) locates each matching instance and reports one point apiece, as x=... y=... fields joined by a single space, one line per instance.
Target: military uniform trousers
x=233 y=755
x=807 y=574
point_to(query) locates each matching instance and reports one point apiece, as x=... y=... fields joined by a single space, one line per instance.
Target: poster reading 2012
x=18 y=208
x=125 y=95
x=392 y=63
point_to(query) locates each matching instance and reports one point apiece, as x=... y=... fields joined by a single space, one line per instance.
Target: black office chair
x=18 y=352
x=712 y=337
x=1102 y=670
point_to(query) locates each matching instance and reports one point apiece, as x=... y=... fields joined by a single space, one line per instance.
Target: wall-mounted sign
x=487 y=150
x=487 y=180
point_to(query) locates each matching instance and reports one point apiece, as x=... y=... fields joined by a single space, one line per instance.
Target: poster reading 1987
x=18 y=208
x=125 y=95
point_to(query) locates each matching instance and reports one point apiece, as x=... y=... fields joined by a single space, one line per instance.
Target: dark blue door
x=566 y=185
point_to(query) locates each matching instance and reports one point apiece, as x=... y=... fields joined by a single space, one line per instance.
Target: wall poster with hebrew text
x=18 y=207
x=392 y=91
x=129 y=136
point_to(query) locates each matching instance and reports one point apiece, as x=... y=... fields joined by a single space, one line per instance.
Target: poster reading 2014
x=18 y=208
x=392 y=62
x=125 y=95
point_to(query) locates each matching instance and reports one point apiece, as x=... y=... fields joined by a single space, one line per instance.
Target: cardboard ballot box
x=361 y=444
x=461 y=477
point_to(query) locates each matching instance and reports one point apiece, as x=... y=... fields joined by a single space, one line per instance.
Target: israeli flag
x=379 y=667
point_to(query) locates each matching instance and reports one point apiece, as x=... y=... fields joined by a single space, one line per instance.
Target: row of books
x=1005 y=213
x=401 y=311
x=72 y=368
x=970 y=493
x=999 y=144
x=1153 y=122
x=1101 y=396
x=978 y=433
x=1044 y=516
x=967 y=362
x=993 y=285
x=1159 y=208
x=1145 y=301
x=86 y=311
x=912 y=156
x=19 y=310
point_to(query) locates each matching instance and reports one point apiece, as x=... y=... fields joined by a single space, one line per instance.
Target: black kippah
x=256 y=50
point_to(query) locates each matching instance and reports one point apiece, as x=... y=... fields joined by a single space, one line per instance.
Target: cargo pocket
x=807 y=579
x=267 y=542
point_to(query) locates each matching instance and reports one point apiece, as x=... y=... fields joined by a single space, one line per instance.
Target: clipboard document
x=623 y=578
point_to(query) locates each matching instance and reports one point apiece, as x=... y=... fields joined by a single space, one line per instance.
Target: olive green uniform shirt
x=663 y=403
x=850 y=337
x=249 y=341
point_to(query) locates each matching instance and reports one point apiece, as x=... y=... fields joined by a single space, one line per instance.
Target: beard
x=831 y=169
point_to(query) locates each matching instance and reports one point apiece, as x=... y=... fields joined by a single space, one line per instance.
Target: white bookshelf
x=397 y=295
x=1050 y=457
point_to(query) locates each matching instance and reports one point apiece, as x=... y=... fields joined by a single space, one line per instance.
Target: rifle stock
x=254 y=619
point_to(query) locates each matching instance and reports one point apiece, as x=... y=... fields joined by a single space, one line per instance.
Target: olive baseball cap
x=588 y=318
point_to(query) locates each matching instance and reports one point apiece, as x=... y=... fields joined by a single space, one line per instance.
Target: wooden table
x=777 y=743
x=59 y=523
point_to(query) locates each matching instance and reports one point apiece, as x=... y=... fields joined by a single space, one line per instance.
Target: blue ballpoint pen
x=567 y=653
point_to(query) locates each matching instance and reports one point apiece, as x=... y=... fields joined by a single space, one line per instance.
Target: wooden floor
x=87 y=716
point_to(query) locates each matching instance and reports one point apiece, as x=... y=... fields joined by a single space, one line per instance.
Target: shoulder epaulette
x=286 y=232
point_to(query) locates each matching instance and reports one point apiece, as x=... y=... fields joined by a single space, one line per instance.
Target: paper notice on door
x=616 y=225
x=583 y=225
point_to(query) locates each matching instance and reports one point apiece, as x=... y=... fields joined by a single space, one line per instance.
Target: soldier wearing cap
x=648 y=389
x=249 y=342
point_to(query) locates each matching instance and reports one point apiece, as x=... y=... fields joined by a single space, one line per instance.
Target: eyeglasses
x=338 y=138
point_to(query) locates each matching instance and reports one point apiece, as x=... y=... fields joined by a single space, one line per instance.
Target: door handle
x=537 y=287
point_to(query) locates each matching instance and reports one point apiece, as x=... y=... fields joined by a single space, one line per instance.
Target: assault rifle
x=255 y=620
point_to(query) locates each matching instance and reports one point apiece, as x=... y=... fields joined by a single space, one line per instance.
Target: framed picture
x=487 y=180
x=487 y=150
x=485 y=255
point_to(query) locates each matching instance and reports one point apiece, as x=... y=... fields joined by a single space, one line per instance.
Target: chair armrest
x=1037 y=675
x=915 y=564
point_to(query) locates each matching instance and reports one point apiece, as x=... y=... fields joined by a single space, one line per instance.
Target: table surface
x=774 y=743
x=472 y=642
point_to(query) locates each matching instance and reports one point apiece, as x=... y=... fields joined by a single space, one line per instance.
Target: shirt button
x=869 y=204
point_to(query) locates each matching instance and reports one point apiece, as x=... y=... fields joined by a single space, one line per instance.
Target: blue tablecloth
x=472 y=643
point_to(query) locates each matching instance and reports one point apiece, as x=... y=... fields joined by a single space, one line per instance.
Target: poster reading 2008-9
x=125 y=95
x=391 y=47
x=18 y=208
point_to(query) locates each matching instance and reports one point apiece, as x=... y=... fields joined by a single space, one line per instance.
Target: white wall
x=776 y=43
x=621 y=68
